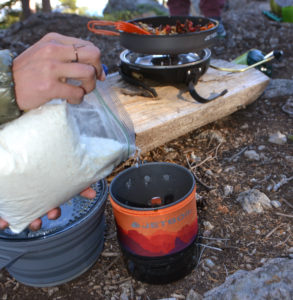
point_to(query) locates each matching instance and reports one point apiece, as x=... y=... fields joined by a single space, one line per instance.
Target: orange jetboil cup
x=154 y=206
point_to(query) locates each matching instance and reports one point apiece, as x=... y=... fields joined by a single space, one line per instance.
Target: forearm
x=8 y=106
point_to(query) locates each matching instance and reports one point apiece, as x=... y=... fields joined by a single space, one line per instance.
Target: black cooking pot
x=170 y=44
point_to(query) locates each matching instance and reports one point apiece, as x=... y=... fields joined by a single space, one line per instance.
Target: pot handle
x=199 y=98
x=8 y=256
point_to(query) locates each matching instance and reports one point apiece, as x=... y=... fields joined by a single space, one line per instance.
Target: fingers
x=68 y=49
x=67 y=40
x=84 y=73
x=73 y=94
x=91 y=55
x=35 y=225
x=54 y=213
x=3 y=224
x=88 y=193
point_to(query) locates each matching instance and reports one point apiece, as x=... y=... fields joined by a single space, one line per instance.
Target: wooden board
x=174 y=112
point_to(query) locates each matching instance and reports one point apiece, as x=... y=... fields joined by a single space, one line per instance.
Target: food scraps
x=187 y=27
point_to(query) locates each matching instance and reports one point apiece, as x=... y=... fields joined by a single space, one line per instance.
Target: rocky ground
x=249 y=152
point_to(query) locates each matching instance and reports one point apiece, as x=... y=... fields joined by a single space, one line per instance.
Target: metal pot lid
x=73 y=213
x=159 y=61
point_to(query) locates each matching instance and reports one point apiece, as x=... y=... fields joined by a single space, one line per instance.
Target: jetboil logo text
x=163 y=223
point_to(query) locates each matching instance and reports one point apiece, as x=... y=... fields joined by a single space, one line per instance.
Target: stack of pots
x=155 y=211
x=63 y=249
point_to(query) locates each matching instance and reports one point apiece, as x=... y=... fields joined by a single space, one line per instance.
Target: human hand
x=41 y=71
x=53 y=214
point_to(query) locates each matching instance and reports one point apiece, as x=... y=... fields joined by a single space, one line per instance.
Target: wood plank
x=174 y=112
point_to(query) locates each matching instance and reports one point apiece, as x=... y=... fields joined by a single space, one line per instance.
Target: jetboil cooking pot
x=155 y=211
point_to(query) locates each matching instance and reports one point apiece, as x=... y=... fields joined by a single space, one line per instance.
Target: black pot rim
x=152 y=208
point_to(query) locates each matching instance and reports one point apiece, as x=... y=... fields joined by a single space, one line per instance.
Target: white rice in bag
x=44 y=162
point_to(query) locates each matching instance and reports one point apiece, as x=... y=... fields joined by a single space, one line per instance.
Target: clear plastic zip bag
x=52 y=153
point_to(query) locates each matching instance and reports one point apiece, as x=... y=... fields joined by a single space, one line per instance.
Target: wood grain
x=174 y=112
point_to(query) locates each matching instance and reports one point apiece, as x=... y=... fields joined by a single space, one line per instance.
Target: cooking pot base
x=163 y=269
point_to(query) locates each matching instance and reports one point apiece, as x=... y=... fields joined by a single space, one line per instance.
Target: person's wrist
x=9 y=109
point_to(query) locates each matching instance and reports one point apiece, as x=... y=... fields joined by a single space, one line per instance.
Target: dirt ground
x=248 y=239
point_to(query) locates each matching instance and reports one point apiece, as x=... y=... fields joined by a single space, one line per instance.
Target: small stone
x=244 y=126
x=209 y=263
x=52 y=291
x=193 y=295
x=257 y=232
x=251 y=155
x=254 y=201
x=248 y=266
x=263 y=260
x=195 y=158
x=289 y=159
x=276 y=204
x=290 y=250
x=261 y=147
x=198 y=197
x=229 y=169
x=209 y=173
x=208 y=226
x=278 y=138
x=228 y=190
x=140 y=291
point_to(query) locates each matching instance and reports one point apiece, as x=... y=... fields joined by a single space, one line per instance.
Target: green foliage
x=9 y=19
x=149 y=8
x=82 y=11
x=8 y=4
x=121 y=15
x=10 y=15
x=125 y=15
x=69 y=6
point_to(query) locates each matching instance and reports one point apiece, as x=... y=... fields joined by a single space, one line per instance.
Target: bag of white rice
x=52 y=153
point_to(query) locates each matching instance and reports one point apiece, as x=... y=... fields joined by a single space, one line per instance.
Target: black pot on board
x=170 y=44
